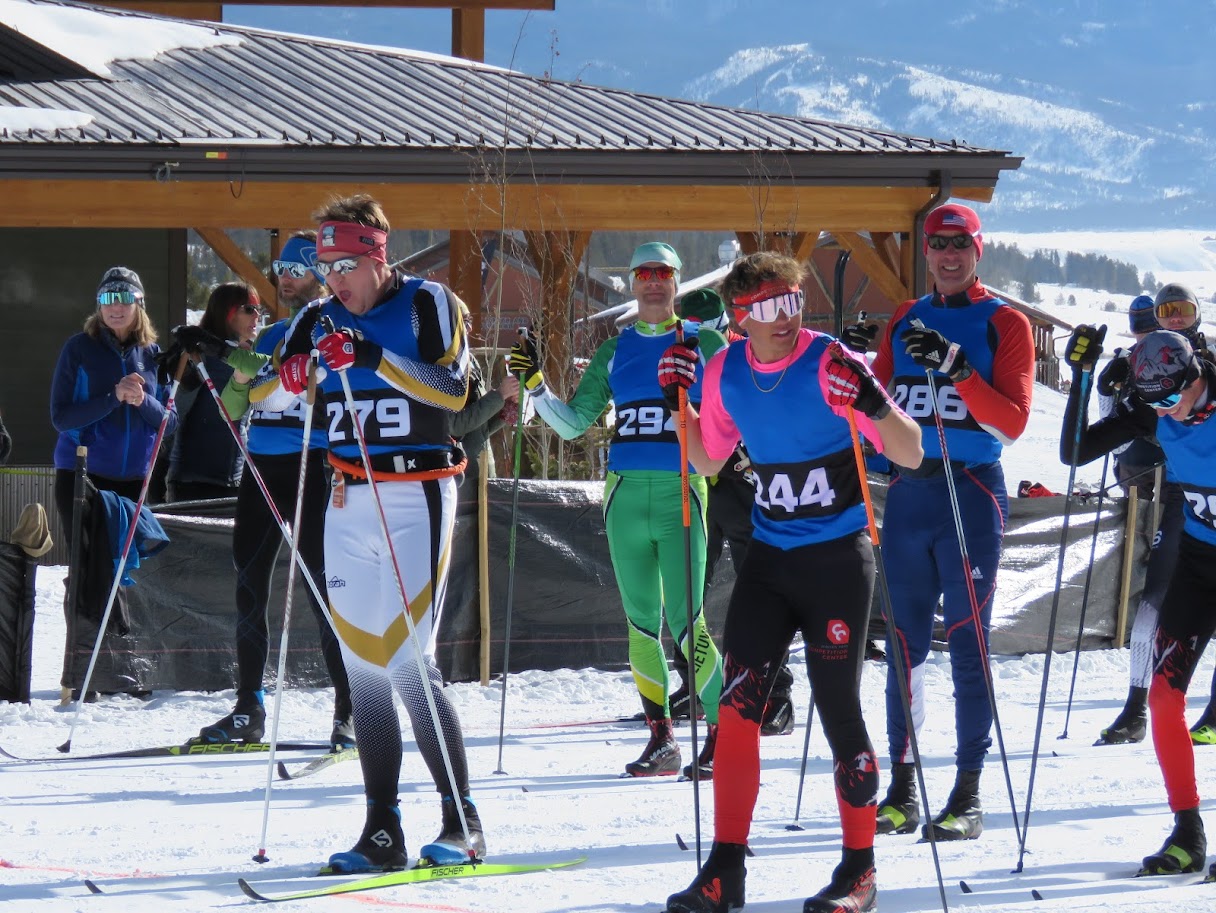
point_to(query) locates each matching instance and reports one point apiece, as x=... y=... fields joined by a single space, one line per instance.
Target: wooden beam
x=805 y=246
x=469 y=33
x=234 y=258
x=873 y=265
x=886 y=247
x=575 y=207
x=181 y=9
x=176 y=7
x=464 y=272
x=557 y=256
x=907 y=263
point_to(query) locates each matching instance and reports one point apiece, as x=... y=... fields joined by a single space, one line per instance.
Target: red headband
x=770 y=288
x=352 y=239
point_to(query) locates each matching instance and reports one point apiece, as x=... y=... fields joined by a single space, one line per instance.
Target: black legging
x=256 y=543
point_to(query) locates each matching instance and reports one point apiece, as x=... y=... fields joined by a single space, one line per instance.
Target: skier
x=401 y=345
x=1174 y=401
x=810 y=524
x=982 y=355
x=275 y=441
x=642 y=498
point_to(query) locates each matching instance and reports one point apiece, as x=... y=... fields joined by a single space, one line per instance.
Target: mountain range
x=1110 y=102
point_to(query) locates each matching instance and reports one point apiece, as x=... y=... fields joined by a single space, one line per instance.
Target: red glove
x=344 y=349
x=293 y=374
x=678 y=370
x=849 y=384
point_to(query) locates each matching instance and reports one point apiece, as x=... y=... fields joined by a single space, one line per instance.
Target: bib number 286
x=917 y=401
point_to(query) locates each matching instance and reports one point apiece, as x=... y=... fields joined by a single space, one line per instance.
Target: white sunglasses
x=767 y=310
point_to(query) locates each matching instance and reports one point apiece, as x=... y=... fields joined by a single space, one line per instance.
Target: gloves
x=934 y=352
x=1084 y=347
x=343 y=349
x=293 y=374
x=197 y=341
x=850 y=384
x=524 y=361
x=858 y=336
x=678 y=370
x=299 y=340
x=1115 y=375
x=166 y=367
x=245 y=361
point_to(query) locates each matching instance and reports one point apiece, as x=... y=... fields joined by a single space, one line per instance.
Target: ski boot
x=679 y=703
x=451 y=847
x=705 y=763
x=899 y=812
x=718 y=887
x=875 y=653
x=660 y=757
x=1184 y=851
x=343 y=734
x=246 y=723
x=1132 y=722
x=380 y=848
x=962 y=818
x=1204 y=730
x=853 y=888
x=778 y=716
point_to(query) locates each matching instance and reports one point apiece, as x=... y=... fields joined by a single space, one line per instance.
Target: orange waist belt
x=357 y=473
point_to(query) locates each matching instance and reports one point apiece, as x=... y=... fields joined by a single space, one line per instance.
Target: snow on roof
x=94 y=38
x=48 y=119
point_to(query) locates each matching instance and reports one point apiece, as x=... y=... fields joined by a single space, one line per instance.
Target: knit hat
x=955 y=217
x=121 y=279
x=1175 y=292
x=32 y=532
x=1141 y=316
x=1162 y=363
x=656 y=252
x=301 y=250
x=702 y=305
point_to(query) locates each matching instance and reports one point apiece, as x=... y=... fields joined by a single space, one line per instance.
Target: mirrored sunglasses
x=650 y=273
x=343 y=267
x=124 y=298
x=1168 y=402
x=958 y=242
x=1167 y=309
x=767 y=310
x=289 y=268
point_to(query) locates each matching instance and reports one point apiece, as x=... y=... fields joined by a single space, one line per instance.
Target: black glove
x=166 y=367
x=1115 y=375
x=197 y=341
x=858 y=336
x=678 y=370
x=525 y=362
x=1084 y=347
x=933 y=351
x=299 y=339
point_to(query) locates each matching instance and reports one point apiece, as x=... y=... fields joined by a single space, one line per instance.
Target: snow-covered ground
x=173 y=835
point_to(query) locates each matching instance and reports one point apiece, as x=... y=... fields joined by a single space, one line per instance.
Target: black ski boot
x=450 y=847
x=679 y=703
x=853 y=888
x=899 y=813
x=962 y=818
x=660 y=757
x=1131 y=723
x=718 y=887
x=343 y=734
x=778 y=716
x=705 y=763
x=381 y=846
x=246 y=723
x=1185 y=850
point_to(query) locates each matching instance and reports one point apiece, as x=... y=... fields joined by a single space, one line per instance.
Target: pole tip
x=65 y=747
x=261 y=857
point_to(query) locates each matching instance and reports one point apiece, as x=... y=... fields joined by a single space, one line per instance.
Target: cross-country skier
x=1174 y=401
x=400 y=343
x=810 y=567
x=642 y=498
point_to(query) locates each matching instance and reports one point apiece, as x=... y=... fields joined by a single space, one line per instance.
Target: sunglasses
x=767 y=310
x=1168 y=402
x=124 y=298
x=343 y=267
x=249 y=309
x=941 y=242
x=1167 y=309
x=290 y=268
x=650 y=273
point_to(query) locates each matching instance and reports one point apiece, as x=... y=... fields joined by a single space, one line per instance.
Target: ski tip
x=748 y=850
x=795 y=827
x=248 y=891
x=1035 y=894
x=284 y=773
x=964 y=887
x=680 y=843
x=91 y=885
x=524 y=788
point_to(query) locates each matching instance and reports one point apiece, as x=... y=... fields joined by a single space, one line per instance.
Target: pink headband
x=352 y=239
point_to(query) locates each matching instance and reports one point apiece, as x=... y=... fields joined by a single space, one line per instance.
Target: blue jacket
x=84 y=409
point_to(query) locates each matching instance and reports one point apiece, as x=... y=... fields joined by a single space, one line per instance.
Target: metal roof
x=294 y=107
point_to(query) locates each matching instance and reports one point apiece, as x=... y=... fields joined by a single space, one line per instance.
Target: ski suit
x=921 y=555
x=643 y=504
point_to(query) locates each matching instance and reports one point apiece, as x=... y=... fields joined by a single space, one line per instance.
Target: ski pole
x=976 y=620
x=74 y=570
x=1083 y=400
x=806 y=748
x=356 y=424
x=905 y=695
x=310 y=394
x=694 y=696
x=506 y=637
x=1089 y=573
x=126 y=548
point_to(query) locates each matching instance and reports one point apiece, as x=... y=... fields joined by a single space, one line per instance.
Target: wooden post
x=483 y=560
x=1129 y=555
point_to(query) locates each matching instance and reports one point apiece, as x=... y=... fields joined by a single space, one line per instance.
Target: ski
x=187 y=749
x=317 y=765
x=1101 y=885
x=407 y=876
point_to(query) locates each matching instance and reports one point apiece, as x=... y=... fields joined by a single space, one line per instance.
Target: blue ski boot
x=380 y=848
